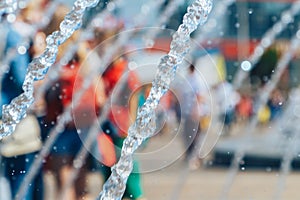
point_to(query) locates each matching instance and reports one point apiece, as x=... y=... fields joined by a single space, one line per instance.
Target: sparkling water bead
x=145 y=123
x=55 y=39
x=16 y=111
x=28 y=84
x=197 y=13
x=131 y=143
x=192 y=20
x=71 y=22
x=49 y=55
x=204 y=5
x=155 y=94
x=180 y=44
x=10 y=114
x=124 y=166
x=6 y=130
x=86 y=3
x=37 y=69
x=165 y=73
x=114 y=188
x=22 y=102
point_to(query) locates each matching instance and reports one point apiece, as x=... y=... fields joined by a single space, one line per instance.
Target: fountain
x=66 y=115
x=150 y=36
x=60 y=124
x=13 y=113
x=144 y=126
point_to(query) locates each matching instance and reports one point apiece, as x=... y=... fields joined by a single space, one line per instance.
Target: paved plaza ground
x=168 y=178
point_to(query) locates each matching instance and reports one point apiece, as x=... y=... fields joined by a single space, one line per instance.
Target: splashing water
x=219 y=12
x=164 y=17
x=144 y=125
x=86 y=34
x=291 y=146
x=25 y=43
x=105 y=111
x=13 y=113
x=263 y=97
x=65 y=117
x=201 y=35
x=90 y=139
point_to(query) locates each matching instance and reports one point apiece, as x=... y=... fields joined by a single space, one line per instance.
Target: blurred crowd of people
x=59 y=96
x=128 y=97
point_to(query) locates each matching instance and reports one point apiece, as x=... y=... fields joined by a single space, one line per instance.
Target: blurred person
x=244 y=108
x=69 y=142
x=264 y=115
x=275 y=103
x=192 y=109
x=227 y=98
x=123 y=108
x=123 y=112
x=57 y=98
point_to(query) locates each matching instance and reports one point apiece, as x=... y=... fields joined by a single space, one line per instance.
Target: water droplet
x=22 y=50
x=246 y=65
x=11 y=18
